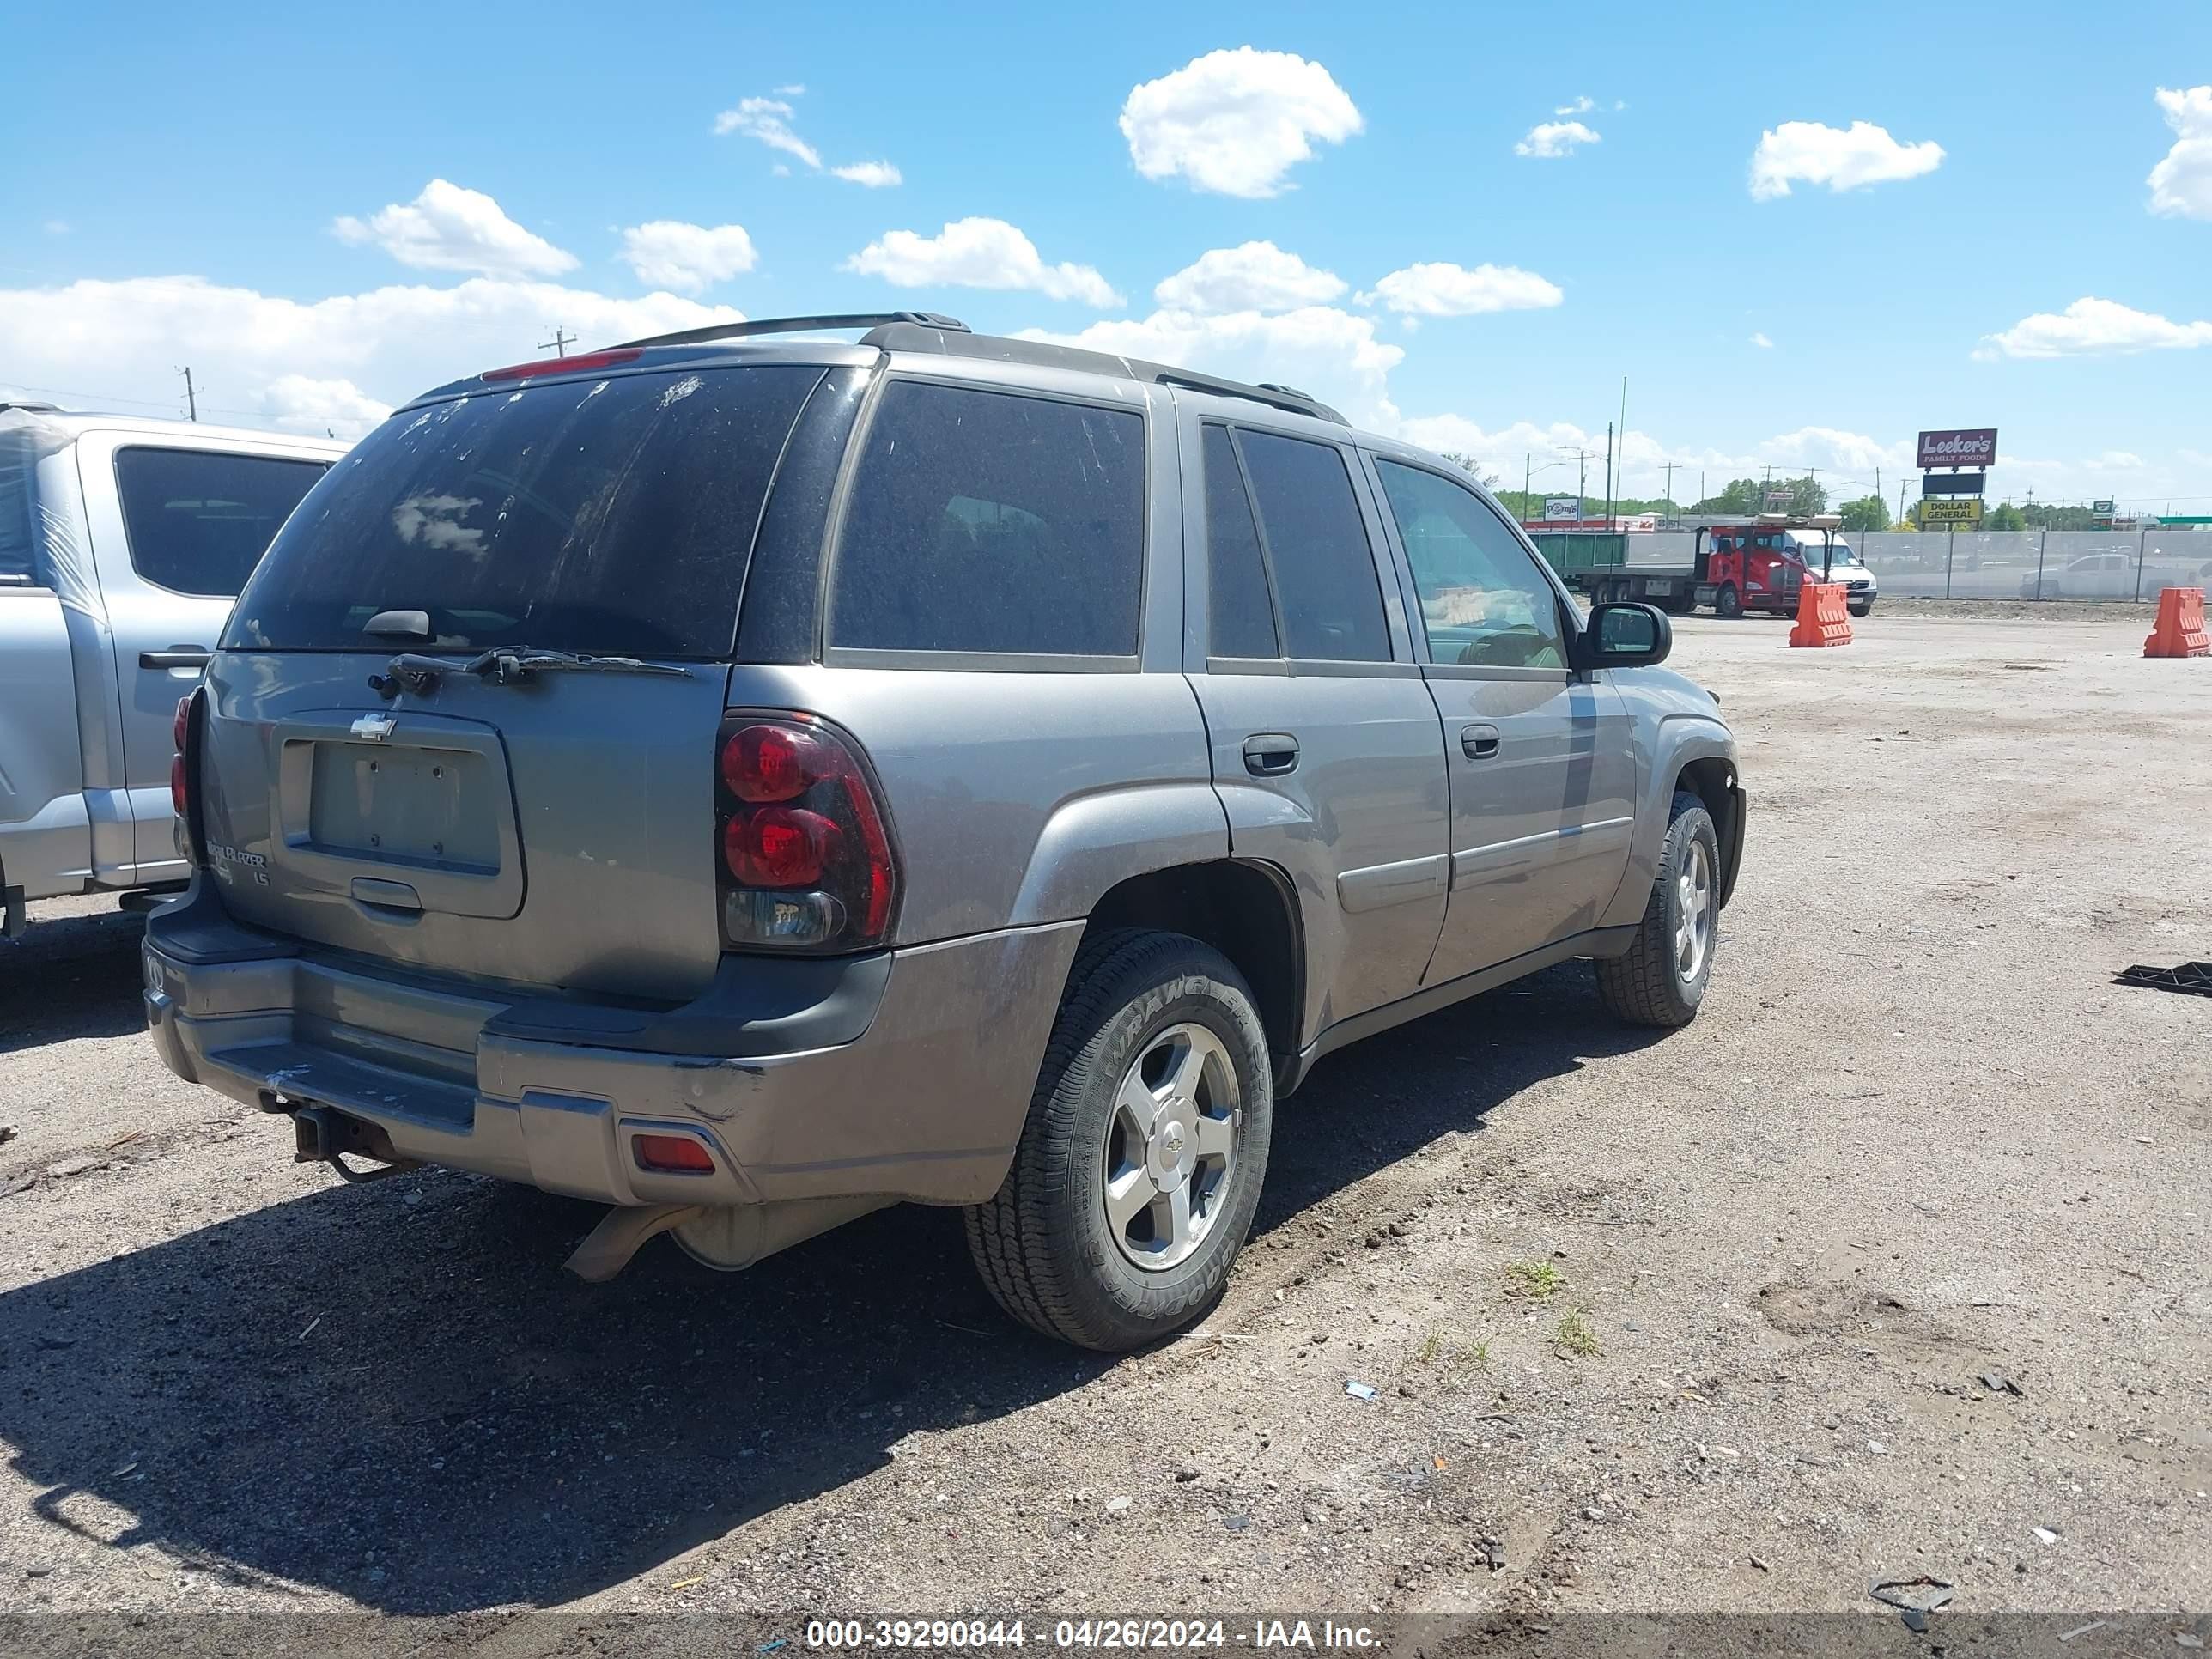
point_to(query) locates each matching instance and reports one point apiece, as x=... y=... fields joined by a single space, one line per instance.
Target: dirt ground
x=1696 y=1322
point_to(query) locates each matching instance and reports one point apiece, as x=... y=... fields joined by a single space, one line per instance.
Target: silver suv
x=749 y=782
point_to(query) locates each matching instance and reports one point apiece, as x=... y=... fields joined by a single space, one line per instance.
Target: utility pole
x=1528 y=478
x=192 y=399
x=559 y=344
x=1670 y=486
x=1608 y=476
x=1624 y=449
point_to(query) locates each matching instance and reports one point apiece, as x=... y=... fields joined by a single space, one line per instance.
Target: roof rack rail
x=795 y=326
x=1275 y=396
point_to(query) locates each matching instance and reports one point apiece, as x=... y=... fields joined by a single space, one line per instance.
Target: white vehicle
x=1844 y=565
x=123 y=542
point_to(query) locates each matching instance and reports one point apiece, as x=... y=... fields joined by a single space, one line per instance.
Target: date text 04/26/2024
x=1259 y=1635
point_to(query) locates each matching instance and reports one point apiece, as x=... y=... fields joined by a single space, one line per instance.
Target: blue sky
x=244 y=188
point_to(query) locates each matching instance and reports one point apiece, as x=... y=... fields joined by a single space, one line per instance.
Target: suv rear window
x=993 y=523
x=199 y=521
x=611 y=516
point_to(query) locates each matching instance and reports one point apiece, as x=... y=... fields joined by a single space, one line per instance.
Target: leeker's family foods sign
x=1973 y=446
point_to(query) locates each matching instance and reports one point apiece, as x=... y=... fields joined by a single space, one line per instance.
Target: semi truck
x=1739 y=564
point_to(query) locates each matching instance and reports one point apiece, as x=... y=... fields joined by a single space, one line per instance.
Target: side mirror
x=1625 y=636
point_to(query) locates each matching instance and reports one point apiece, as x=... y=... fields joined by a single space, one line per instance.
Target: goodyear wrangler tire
x=1140 y=1164
x=1663 y=978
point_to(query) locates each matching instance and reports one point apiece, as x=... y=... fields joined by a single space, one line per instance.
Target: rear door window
x=991 y=523
x=1325 y=581
x=613 y=516
x=1241 y=612
x=199 y=521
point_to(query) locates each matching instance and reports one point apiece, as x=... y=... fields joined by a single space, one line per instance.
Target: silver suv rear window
x=610 y=516
x=991 y=523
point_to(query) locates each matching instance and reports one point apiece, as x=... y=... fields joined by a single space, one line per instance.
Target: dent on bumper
x=926 y=1102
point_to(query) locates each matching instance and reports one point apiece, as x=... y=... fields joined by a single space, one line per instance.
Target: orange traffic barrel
x=1822 y=618
x=2180 y=628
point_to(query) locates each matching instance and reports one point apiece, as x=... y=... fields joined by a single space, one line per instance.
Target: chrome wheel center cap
x=1173 y=1152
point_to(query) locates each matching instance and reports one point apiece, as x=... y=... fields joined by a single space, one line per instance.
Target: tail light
x=181 y=773
x=805 y=856
x=577 y=364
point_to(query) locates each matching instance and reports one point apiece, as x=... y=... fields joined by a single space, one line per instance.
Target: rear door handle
x=1271 y=754
x=177 y=656
x=1479 y=742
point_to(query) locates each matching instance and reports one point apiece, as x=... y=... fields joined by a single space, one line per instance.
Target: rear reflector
x=671 y=1155
x=581 y=360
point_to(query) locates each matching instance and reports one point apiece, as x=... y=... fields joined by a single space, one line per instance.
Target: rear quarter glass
x=614 y=516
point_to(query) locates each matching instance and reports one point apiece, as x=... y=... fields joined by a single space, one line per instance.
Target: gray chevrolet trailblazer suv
x=749 y=782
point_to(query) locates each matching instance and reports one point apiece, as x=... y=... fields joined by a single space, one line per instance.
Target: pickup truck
x=123 y=542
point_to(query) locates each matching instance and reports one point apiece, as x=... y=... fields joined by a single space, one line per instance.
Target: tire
x=1651 y=984
x=1866 y=610
x=1728 y=602
x=1145 y=1013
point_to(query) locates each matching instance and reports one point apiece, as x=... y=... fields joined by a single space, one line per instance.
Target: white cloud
x=796 y=89
x=449 y=229
x=1581 y=106
x=669 y=253
x=1328 y=353
x=1840 y=158
x=295 y=402
x=1762 y=342
x=1547 y=139
x=2091 y=325
x=56 y=226
x=2181 y=185
x=977 y=253
x=1253 y=276
x=1442 y=289
x=1236 y=122
x=308 y=364
x=767 y=121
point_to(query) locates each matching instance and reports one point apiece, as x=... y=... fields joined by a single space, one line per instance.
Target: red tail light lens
x=777 y=847
x=180 y=780
x=772 y=762
x=582 y=360
x=806 y=860
x=671 y=1155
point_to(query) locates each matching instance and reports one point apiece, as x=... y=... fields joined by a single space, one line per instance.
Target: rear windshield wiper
x=501 y=666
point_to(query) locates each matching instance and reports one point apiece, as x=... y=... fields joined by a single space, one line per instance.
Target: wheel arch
x=1712 y=778
x=1243 y=908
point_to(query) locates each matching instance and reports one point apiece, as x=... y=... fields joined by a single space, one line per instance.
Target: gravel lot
x=1916 y=1136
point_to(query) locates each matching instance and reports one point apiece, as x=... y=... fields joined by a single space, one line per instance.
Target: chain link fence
x=2122 y=565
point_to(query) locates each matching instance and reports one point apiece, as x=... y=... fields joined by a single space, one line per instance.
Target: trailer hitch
x=324 y=1136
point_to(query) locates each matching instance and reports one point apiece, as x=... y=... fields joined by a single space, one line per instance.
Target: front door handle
x=1479 y=742
x=1271 y=754
x=177 y=656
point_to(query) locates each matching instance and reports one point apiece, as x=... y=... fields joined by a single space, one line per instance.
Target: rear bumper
x=904 y=1075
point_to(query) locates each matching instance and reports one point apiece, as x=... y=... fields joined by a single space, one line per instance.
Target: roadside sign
x=1776 y=499
x=1953 y=484
x=1974 y=445
x=1951 y=512
x=2105 y=508
x=1567 y=508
